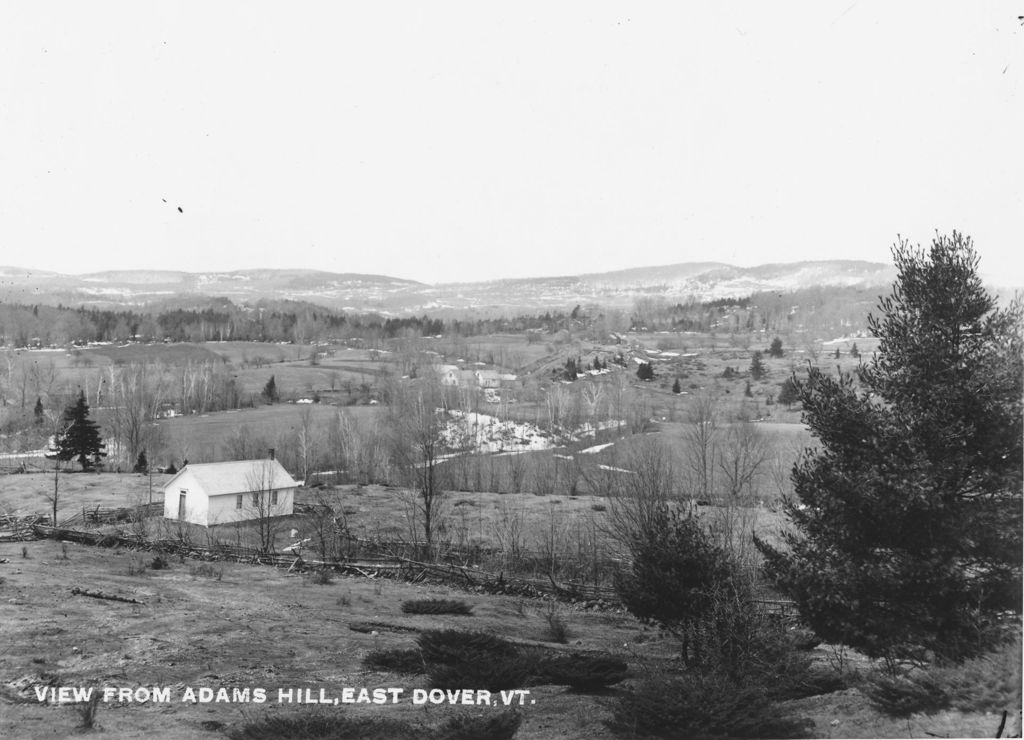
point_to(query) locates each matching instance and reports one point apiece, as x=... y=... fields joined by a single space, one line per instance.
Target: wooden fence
x=112 y=515
x=369 y=565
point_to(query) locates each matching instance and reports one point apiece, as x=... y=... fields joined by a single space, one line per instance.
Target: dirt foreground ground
x=235 y=626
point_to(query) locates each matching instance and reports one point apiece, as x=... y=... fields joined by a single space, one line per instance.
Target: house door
x=181 y=506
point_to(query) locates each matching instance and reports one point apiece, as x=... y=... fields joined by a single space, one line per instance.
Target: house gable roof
x=237 y=476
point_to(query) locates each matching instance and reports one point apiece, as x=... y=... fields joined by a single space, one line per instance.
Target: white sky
x=446 y=141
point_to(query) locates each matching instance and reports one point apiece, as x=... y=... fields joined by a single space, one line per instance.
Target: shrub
x=87 y=710
x=902 y=696
x=320 y=577
x=695 y=707
x=990 y=683
x=447 y=646
x=479 y=727
x=436 y=606
x=205 y=570
x=483 y=670
x=582 y=672
x=558 y=630
x=396 y=660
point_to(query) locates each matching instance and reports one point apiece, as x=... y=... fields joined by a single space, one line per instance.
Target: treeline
x=23 y=325
x=829 y=308
x=813 y=309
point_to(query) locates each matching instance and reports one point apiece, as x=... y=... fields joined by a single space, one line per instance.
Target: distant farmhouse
x=226 y=492
x=452 y=375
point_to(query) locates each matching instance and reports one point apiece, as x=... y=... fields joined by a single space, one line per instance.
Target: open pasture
x=202 y=437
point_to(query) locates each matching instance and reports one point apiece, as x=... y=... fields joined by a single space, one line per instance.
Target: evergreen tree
x=677 y=571
x=39 y=411
x=908 y=514
x=645 y=371
x=775 y=350
x=270 y=390
x=675 y=387
x=854 y=352
x=788 y=393
x=80 y=439
x=757 y=369
x=837 y=353
x=747 y=391
x=142 y=464
x=571 y=372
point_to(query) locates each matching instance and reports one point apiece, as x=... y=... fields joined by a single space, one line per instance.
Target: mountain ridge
x=390 y=295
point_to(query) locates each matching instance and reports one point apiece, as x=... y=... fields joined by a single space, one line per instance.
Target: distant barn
x=227 y=492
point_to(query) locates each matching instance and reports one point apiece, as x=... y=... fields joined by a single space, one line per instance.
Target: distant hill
x=676 y=283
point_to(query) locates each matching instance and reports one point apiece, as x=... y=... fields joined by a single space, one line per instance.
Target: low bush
x=205 y=570
x=558 y=630
x=448 y=646
x=436 y=606
x=902 y=696
x=396 y=660
x=87 y=711
x=483 y=670
x=582 y=672
x=320 y=576
x=696 y=707
x=990 y=683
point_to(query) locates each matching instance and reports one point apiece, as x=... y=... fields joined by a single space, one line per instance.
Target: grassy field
x=202 y=438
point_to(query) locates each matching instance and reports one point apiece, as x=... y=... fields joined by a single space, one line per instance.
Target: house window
x=273 y=498
x=238 y=501
x=181 y=504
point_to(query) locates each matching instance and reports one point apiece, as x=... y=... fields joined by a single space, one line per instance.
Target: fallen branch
x=100 y=595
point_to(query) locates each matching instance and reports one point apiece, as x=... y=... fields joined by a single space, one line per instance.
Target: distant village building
x=226 y=492
x=455 y=377
x=449 y=375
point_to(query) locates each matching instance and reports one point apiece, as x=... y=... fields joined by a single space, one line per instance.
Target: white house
x=236 y=491
x=449 y=374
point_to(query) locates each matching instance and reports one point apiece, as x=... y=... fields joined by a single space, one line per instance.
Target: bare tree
x=137 y=390
x=308 y=439
x=742 y=453
x=415 y=421
x=262 y=501
x=647 y=485
x=58 y=428
x=700 y=438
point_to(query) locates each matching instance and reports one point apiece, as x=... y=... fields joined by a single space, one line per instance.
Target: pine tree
x=837 y=353
x=39 y=410
x=908 y=514
x=775 y=350
x=757 y=369
x=142 y=464
x=80 y=439
x=747 y=391
x=677 y=571
x=571 y=372
x=270 y=390
x=645 y=371
x=675 y=387
x=854 y=352
x=788 y=393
